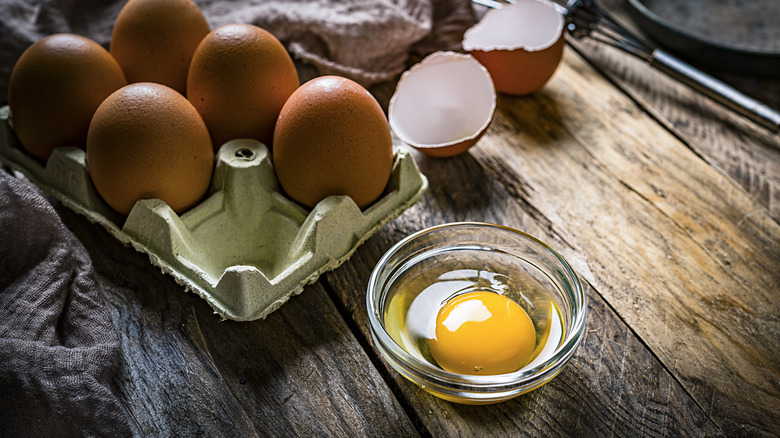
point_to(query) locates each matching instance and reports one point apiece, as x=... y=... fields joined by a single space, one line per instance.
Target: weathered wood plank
x=685 y=257
x=746 y=152
x=185 y=372
x=613 y=385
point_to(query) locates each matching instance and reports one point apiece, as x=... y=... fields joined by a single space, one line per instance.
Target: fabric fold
x=58 y=347
x=369 y=41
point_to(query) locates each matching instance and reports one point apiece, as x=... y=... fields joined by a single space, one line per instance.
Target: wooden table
x=666 y=205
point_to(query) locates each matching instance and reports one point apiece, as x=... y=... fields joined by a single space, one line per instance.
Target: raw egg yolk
x=482 y=333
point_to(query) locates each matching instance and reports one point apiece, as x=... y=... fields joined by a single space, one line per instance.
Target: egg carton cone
x=246 y=248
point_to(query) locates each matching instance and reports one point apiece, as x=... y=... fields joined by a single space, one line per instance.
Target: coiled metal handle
x=716 y=90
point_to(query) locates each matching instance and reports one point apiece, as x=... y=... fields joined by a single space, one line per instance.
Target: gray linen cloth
x=58 y=349
x=368 y=41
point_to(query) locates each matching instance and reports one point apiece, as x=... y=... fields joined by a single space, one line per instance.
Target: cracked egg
x=443 y=105
x=520 y=44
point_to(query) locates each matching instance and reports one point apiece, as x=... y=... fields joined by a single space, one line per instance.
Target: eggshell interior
x=531 y=25
x=521 y=45
x=442 y=105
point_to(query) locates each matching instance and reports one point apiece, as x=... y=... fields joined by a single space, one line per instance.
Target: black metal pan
x=735 y=36
x=584 y=18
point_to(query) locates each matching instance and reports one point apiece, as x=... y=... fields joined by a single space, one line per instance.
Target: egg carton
x=246 y=248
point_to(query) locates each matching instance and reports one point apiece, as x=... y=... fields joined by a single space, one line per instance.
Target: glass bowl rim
x=496 y=382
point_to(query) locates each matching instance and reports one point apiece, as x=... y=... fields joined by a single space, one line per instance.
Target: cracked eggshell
x=443 y=105
x=520 y=44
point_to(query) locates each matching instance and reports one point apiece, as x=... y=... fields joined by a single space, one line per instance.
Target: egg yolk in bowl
x=482 y=333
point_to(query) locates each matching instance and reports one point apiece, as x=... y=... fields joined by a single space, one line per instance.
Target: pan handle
x=716 y=90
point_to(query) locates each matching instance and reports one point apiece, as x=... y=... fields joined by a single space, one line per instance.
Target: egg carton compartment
x=246 y=248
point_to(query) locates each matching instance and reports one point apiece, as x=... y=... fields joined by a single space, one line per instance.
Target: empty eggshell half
x=520 y=44
x=443 y=105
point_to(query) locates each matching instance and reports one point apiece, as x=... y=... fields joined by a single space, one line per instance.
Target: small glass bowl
x=475 y=245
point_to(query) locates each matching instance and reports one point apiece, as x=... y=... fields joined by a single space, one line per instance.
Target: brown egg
x=332 y=138
x=153 y=40
x=147 y=141
x=55 y=87
x=239 y=79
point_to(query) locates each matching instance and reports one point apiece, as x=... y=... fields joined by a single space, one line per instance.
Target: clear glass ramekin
x=534 y=257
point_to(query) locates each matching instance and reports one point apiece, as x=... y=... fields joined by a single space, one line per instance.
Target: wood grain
x=746 y=152
x=185 y=372
x=665 y=204
x=613 y=385
x=685 y=257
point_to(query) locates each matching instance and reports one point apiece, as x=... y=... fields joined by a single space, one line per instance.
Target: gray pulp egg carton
x=245 y=249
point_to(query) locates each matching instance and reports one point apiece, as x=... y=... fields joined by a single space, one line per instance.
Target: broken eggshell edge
x=518 y=67
x=462 y=143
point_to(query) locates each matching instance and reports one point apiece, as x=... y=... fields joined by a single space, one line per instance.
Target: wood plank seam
x=382 y=368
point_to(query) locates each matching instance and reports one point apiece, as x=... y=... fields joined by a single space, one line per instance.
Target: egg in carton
x=246 y=248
